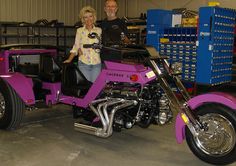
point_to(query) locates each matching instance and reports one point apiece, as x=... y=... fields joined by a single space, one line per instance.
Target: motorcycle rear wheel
x=11 y=107
x=216 y=145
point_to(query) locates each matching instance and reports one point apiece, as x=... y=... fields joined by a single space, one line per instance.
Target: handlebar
x=93 y=46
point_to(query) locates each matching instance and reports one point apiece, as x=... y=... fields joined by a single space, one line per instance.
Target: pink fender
x=22 y=85
x=216 y=97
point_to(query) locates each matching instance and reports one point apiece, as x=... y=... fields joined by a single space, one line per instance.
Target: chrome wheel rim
x=2 y=106
x=219 y=138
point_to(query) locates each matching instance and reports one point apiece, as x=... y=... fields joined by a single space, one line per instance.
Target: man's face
x=111 y=8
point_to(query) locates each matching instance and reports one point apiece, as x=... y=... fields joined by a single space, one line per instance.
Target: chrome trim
x=106 y=116
x=220 y=137
x=2 y=106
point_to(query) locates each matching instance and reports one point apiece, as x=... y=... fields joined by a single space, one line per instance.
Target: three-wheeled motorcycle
x=126 y=93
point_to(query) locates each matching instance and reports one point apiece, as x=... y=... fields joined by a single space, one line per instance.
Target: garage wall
x=67 y=10
x=140 y=6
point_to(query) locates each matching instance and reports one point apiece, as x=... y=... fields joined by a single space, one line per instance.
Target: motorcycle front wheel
x=217 y=143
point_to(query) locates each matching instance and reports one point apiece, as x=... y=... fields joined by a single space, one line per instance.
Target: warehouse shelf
x=181 y=34
x=157 y=20
x=183 y=53
x=215 y=50
x=209 y=57
x=57 y=35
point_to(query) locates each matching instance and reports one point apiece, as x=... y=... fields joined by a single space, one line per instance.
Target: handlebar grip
x=88 y=46
x=93 y=46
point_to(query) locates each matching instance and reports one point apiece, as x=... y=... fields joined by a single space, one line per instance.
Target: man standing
x=114 y=30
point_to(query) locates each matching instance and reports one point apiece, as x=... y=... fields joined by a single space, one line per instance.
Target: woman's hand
x=71 y=56
x=67 y=61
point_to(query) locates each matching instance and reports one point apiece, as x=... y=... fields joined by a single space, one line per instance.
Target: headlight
x=177 y=67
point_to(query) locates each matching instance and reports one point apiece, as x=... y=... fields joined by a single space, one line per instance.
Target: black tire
x=11 y=107
x=219 y=144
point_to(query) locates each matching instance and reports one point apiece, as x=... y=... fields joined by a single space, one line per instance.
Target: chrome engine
x=122 y=90
x=122 y=105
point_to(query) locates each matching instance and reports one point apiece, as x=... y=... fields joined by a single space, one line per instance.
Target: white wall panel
x=189 y=4
x=140 y=6
x=135 y=7
x=122 y=8
x=67 y=11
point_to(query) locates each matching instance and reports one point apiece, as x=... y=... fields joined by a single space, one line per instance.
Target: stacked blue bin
x=215 y=50
x=181 y=34
x=181 y=49
x=157 y=20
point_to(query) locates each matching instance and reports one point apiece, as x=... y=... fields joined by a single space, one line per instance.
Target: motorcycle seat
x=49 y=70
x=122 y=54
x=74 y=82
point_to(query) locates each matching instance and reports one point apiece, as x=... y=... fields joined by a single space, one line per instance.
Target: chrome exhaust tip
x=91 y=130
x=85 y=128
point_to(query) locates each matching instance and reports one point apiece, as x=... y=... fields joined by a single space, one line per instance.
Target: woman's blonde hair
x=87 y=9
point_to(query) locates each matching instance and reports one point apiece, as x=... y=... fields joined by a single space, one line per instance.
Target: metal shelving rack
x=181 y=48
x=18 y=33
x=135 y=27
x=215 y=49
x=157 y=20
x=234 y=58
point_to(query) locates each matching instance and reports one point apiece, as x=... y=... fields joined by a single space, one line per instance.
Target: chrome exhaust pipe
x=94 y=130
x=124 y=105
x=86 y=128
x=106 y=120
x=95 y=102
x=112 y=102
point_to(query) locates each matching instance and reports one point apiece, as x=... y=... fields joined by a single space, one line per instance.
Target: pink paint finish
x=215 y=97
x=22 y=85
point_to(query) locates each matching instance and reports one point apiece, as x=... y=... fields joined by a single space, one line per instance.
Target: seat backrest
x=48 y=64
x=71 y=75
x=49 y=70
x=74 y=82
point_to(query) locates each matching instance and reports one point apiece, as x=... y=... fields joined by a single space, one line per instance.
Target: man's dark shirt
x=111 y=31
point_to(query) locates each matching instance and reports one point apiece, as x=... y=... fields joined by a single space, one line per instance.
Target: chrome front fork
x=186 y=113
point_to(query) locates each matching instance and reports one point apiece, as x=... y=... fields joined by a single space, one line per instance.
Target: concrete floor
x=47 y=138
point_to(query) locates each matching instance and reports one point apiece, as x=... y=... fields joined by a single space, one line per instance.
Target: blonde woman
x=89 y=61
